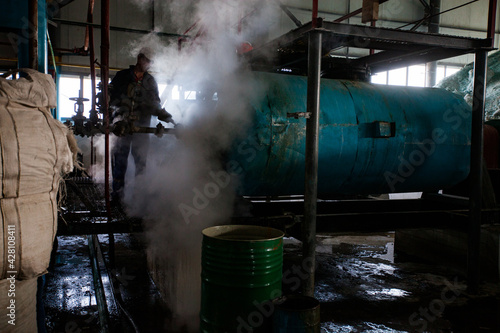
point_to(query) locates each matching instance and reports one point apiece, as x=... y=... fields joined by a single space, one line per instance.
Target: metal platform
x=397 y=48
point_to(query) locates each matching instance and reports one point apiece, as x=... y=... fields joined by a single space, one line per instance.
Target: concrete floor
x=361 y=285
x=69 y=297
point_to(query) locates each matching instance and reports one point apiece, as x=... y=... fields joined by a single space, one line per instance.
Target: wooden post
x=370 y=11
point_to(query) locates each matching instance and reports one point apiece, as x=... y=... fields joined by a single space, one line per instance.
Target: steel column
x=90 y=19
x=33 y=34
x=311 y=168
x=43 y=59
x=431 y=68
x=90 y=44
x=492 y=16
x=476 y=171
x=104 y=82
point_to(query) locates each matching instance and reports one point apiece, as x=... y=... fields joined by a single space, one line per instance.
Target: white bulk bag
x=18 y=302
x=35 y=152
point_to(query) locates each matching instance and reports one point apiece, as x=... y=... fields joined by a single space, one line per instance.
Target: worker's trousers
x=138 y=145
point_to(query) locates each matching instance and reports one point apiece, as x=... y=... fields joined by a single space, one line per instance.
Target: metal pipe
x=476 y=171
x=435 y=7
x=426 y=6
x=121 y=29
x=90 y=19
x=311 y=169
x=104 y=106
x=60 y=64
x=315 y=13
x=431 y=67
x=374 y=24
x=445 y=11
x=104 y=81
x=492 y=16
x=152 y=15
x=98 y=286
x=289 y=14
x=33 y=34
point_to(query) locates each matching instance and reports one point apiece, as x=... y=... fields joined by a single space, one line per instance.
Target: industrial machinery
x=373 y=139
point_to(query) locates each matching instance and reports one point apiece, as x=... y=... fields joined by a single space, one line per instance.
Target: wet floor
x=364 y=287
x=69 y=296
x=361 y=284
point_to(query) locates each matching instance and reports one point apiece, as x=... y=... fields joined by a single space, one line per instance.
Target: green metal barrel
x=241 y=273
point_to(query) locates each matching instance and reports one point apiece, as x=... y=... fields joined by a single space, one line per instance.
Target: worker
x=134 y=99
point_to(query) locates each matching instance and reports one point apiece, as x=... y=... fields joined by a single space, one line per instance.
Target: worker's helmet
x=147 y=52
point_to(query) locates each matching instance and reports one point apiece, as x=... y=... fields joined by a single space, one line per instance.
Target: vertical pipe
x=434 y=21
x=43 y=59
x=33 y=34
x=311 y=169
x=492 y=16
x=90 y=19
x=152 y=15
x=431 y=67
x=82 y=85
x=476 y=171
x=92 y=70
x=104 y=106
x=100 y=295
x=431 y=74
x=373 y=24
x=93 y=110
x=104 y=80
x=315 y=14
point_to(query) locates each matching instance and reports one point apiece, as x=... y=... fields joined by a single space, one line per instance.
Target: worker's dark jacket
x=134 y=100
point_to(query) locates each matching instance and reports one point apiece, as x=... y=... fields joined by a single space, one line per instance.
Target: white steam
x=185 y=187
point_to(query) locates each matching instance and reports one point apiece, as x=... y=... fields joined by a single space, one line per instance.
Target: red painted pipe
x=181 y=39
x=315 y=14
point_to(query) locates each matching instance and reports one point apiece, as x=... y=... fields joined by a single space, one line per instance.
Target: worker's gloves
x=163 y=115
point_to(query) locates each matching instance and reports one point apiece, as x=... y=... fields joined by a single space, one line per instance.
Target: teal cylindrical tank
x=241 y=273
x=373 y=138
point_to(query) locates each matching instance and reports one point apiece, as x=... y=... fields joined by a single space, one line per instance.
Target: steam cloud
x=185 y=187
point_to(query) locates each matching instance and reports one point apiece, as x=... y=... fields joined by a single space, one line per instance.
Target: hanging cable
x=428 y=17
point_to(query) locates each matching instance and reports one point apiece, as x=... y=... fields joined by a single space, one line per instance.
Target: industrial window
x=397 y=77
x=69 y=87
x=188 y=94
x=413 y=76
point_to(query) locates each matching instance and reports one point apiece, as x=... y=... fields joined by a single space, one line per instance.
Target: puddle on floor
x=364 y=287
